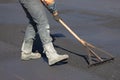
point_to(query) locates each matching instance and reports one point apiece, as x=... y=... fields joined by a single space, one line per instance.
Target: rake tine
x=89 y=57
x=98 y=63
x=92 y=52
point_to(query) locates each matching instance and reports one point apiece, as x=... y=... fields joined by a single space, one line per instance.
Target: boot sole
x=56 y=61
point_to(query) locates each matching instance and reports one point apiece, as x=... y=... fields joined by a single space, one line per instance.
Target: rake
x=93 y=57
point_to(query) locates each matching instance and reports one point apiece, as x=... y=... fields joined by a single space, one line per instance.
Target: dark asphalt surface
x=96 y=21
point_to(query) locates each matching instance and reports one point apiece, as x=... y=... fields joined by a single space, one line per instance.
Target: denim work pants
x=38 y=23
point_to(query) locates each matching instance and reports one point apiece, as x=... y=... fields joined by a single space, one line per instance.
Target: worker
x=38 y=24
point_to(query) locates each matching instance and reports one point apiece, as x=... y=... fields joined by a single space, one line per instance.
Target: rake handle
x=79 y=39
x=75 y=35
x=68 y=28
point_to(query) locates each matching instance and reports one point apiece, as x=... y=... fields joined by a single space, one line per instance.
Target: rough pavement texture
x=96 y=21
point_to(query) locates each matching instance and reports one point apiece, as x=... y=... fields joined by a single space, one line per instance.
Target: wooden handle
x=75 y=35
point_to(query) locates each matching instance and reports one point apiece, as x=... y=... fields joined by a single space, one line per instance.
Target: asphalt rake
x=95 y=55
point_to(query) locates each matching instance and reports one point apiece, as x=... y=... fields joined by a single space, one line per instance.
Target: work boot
x=26 y=49
x=52 y=55
x=28 y=56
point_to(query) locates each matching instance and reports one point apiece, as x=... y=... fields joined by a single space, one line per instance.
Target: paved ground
x=95 y=21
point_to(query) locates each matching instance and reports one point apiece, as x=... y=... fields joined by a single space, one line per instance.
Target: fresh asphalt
x=96 y=21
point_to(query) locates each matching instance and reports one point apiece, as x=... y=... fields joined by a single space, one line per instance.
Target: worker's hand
x=49 y=2
x=55 y=13
x=52 y=8
x=56 y=16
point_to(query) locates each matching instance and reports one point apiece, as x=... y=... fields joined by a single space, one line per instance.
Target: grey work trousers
x=38 y=23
